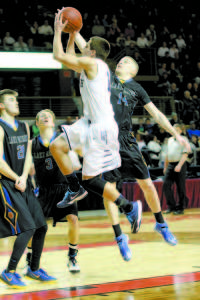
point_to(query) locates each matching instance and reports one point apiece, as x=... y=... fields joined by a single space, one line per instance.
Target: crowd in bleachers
x=171 y=28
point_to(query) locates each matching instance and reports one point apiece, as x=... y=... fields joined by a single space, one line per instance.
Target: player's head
x=178 y=128
x=127 y=67
x=45 y=119
x=98 y=47
x=8 y=102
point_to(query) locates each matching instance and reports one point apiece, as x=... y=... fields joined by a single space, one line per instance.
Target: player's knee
x=72 y=219
x=95 y=185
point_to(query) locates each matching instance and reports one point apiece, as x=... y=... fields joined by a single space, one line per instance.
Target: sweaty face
x=11 y=105
x=126 y=66
x=45 y=120
x=87 y=51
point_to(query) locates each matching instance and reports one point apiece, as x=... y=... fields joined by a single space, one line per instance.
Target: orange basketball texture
x=74 y=18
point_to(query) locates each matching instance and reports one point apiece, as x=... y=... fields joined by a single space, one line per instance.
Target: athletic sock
x=124 y=204
x=117 y=230
x=74 y=184
x=159 y=217
x=73 y=249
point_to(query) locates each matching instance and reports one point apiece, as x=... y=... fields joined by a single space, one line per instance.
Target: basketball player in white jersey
x=96 y=134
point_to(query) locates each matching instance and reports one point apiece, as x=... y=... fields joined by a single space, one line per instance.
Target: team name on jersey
x=17 y=139
x=38 y=155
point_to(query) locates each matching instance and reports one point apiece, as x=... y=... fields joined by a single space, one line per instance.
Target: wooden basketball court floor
x=156 y=271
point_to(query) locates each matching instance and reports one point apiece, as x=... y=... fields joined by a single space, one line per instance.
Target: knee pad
x=95 y=185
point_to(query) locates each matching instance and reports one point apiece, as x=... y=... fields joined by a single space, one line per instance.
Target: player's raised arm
x=71 y=61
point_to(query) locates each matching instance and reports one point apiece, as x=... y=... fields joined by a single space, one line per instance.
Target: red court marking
x=91 y=245
x=110 y=287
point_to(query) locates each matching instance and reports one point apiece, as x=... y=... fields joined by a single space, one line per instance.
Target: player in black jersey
x=20 y=212
x=52 y=184
x=125 y=94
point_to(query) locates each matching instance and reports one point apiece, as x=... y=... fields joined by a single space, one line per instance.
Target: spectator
x=174 y=74
x=20 y=46
x=180 y=43
x=8 y=42
x=139 y=128
x=174 y=91
x=189 y=107
x=174 y=119
x=151 y=42
x=142 y=41
x=154 y=150
x=131 y=49
x=31 y=45
x=34 y=29
x=105 y=21
x=163 y=84
x=192 y=130
x=174 y=52
x=151 y=31
x=196 y=74
x=128 y=41
x=149 y=129
x=46 y=32
x=96 y=20
x=141 y=143
x=98 y=30
x=162 y=69
x=129 y=31
x=162 y=50
x=120 y=41
x=164 y=35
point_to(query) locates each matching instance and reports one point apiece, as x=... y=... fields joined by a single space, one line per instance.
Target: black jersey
x=124 y=98
x=47 y=171
x=15 y=145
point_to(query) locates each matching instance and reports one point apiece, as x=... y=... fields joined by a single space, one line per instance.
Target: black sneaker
x=179 y=212
x=168 y=211
x=70 y=197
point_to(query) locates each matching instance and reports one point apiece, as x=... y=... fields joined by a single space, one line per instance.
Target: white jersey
x=96 y=95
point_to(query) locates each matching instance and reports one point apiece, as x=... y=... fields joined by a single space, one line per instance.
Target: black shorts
x=19 y=212
x=133 y=165
x=49 y=196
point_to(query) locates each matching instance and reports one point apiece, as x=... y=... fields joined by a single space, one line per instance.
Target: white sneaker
x=73 y=266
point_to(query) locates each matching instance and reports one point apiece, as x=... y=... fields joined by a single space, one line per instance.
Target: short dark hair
x=7 y=92
x=101 y=46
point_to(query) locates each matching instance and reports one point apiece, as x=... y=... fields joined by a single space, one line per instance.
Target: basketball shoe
x=70 y=197
x=12 y=278
x=73 y=266
x=40 y=275
x=122 y=242
x=162 y=228
x=135 y=216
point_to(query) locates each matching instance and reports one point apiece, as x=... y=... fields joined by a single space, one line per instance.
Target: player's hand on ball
x=58 y=24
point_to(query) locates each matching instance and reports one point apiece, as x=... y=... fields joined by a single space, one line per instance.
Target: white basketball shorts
x=98 y=143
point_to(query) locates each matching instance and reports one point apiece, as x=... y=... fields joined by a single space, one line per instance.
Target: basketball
x=74 y=18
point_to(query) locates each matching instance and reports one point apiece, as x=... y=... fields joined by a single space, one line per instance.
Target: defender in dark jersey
x=20 y=211
x=125 y=94
x=52 y=183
